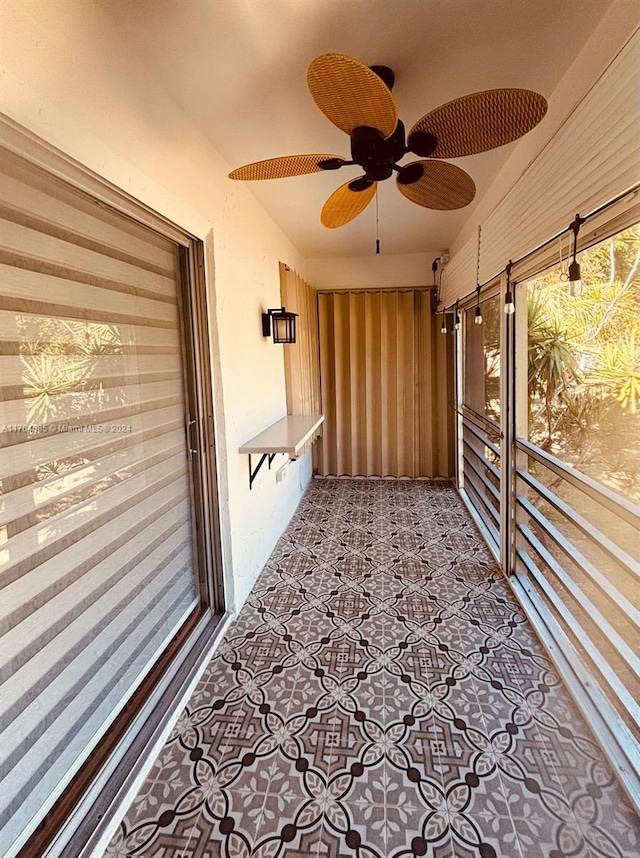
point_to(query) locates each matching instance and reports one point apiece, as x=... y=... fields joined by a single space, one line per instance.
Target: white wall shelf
x=288 y=435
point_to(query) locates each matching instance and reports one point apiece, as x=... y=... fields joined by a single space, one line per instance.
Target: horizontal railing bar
x=594 y=654
x=485 y=481
x=494 y=515
x=468 y=425
x=495 y=473
x=603 y=542
x=479 y=419
x=618 y=742
x=484 y=525
x=621 y=506
x=613 y=637
x=616 y=598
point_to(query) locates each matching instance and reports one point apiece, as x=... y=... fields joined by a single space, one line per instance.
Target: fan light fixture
x=478 y=316
x=509 y=306
x=357 y=99
x=575 y=277
x=281 y=324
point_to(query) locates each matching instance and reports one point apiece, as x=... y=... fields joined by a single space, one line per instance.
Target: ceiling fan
x=358 y=100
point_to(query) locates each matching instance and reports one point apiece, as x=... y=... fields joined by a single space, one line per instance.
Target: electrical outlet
x=281 y=471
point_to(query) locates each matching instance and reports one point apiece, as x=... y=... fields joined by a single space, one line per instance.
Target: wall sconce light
x=478 y=316
x=509 y=306
x=281 y=324
x=575 y=277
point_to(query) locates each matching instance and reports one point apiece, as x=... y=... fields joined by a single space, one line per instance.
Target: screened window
x=481 y=410
x=482 y=360
x=584 y=364
x=578 y=458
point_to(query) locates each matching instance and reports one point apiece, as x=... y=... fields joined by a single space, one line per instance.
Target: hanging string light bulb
x=457 y=318
x=478 y=316
x=575 y=276
x=509 y=305
x=436 y=285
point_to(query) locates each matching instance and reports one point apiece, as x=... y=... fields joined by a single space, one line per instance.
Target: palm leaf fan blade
x=442 y=186
x=282 y=168
x=351 y=95
x=345 y=204
x=481 y=121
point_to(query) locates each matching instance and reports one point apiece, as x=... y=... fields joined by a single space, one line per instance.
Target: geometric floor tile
x=380 y=695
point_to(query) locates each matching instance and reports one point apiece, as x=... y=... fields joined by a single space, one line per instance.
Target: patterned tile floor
x=380 y=694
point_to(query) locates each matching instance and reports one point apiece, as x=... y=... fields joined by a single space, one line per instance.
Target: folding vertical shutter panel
x=302 y=372
x=96 y=565
x=381 y=374
x=592 y=158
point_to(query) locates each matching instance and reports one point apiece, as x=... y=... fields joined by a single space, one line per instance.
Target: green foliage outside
x=584 y=364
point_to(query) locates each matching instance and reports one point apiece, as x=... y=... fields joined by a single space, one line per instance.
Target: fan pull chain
x=377 y=224
x=478 y=259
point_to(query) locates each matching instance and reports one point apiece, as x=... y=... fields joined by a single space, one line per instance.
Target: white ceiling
x=238 y=68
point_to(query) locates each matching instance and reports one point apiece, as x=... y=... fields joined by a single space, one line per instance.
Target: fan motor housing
x=376 y=154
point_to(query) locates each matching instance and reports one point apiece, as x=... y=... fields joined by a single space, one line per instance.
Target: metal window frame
x=617 y=504
x=595 y=615
x=617 y=741
x=615 y=738
x=592 y=533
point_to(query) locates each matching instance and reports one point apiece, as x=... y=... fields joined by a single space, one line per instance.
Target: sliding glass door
x=104 y=570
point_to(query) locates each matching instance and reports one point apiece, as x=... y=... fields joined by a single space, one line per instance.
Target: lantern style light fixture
x=575 y=277
x=509 y=306
x=280 y=324
x=478 y=316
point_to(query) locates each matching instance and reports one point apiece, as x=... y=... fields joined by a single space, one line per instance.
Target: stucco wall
x=67 y=76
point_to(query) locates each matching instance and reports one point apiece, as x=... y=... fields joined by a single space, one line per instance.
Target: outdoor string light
x=575 y=277
x=509 y=306
x=478 y=316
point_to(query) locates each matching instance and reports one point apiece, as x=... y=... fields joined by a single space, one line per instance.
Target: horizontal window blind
x=592 y=158
x=97 y=572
